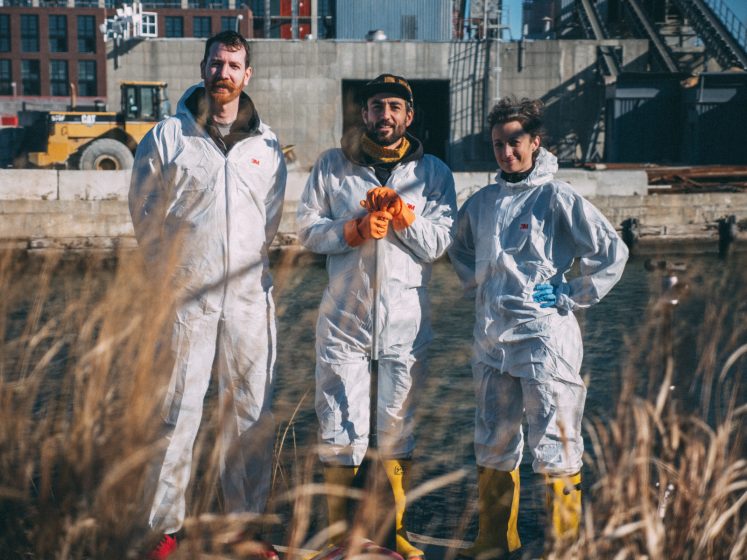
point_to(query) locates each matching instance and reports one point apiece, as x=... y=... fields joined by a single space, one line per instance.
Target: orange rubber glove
x=373 y=225
x=385 y=198
x=379 y=198
x=404 y=218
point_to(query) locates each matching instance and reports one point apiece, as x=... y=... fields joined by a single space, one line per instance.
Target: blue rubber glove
x=545 y=295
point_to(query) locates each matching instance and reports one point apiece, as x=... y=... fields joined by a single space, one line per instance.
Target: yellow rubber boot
x=398 y=473
x=337 y=504
x=498 y=507
x=564 y=505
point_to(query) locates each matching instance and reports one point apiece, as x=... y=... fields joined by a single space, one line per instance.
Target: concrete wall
x=27 y=184
x=84 y=185
x=297 y=85
x=71 y=210
x=565 y=75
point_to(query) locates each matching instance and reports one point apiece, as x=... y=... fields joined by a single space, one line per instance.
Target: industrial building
x=601 y=67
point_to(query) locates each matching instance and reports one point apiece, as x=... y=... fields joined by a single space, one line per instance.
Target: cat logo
x=88 y=120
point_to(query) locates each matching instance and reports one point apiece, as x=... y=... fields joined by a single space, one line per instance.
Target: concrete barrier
x=93 y=185
x=28 y=184
x=585 y=182
x=612 y=182
x=32 y=219
x=79 y=210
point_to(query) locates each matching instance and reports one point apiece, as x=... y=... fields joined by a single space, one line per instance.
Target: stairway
x=593 y=28
x=724 y=36
x=646 y=28
x=590 y=20
x=684 y=44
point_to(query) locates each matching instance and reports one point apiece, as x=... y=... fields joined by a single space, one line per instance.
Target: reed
x=84 y=366
x=669 y=464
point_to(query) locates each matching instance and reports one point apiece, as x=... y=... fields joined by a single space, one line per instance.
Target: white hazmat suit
x=511 y=237
x=217 y=209
x=332 y=197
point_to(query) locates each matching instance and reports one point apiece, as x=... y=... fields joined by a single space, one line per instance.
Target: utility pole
x=268 y=22
x=315 y=19
x=294 y=19
x=491 y=29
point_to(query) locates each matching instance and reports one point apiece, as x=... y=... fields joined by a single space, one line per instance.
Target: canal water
x=615 y=339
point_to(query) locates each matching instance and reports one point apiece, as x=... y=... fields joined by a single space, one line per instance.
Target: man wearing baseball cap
x=378 y=193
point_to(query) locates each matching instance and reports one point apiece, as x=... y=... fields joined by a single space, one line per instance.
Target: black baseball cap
x=387 y=83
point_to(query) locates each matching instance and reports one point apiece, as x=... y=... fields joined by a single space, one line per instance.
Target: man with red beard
x=380 y=194
x=206 y=197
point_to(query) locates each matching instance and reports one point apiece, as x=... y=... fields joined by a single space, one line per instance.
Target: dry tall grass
x=82 y=373
x=669 y=465
x=78 y=410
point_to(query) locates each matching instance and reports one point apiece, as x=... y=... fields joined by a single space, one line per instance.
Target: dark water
x=615 y=338
x=612 y=332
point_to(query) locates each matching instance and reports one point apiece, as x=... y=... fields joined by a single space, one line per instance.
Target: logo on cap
x=387 y=83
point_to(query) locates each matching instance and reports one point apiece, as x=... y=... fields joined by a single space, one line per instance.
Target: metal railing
x=647 y=27
x=719 y=41
x=730 y=21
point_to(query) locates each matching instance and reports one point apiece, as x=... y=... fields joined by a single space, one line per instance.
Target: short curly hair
x=526 y=111
x=233 y=41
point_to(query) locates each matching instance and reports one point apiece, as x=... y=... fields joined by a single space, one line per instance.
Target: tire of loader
x=106 y=154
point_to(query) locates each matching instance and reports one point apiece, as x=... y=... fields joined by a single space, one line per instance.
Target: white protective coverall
x=332 y=196
x=218 y=213
x=511 y=237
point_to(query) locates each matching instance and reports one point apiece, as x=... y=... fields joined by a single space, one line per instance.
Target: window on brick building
x=87 y=34
x=149 y=25
x=29 y=33
x=6 y=77
x=4 y=33
x=228 y=23
x=30 y=78
x=58 y=82
x=57 y=33
x=87 y=78
x=201 y=26
x=162 y=4
x=174 y=26
x=209 y=4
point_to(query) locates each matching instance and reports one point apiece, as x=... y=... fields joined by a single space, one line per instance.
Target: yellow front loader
x=103 y=140
x=100 y=140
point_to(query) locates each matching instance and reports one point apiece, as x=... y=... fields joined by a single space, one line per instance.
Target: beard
x=229 y=92
x=385 y=137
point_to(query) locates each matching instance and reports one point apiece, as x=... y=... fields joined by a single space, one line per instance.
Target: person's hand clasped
x=387 y=200
x=382 y=198
x=374 y=225
x=545 y=295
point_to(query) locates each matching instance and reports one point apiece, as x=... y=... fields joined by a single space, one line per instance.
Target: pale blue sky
x=513 y=7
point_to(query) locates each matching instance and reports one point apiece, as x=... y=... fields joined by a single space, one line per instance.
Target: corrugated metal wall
x=643 y=118
x=421 y=20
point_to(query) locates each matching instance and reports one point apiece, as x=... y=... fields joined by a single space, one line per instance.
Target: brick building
x=52 y=49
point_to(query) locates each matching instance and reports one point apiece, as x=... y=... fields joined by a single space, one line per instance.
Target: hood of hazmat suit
x=215 y=212
x=513 y=236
